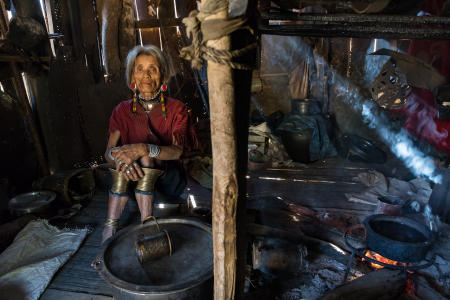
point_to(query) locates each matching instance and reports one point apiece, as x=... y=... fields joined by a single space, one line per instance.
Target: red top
x=152 y=127
x=420 y=109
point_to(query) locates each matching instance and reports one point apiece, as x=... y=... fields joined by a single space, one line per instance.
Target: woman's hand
x=132 y=172
x=125 y=158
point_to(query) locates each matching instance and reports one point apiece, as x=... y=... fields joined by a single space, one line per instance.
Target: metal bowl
x=33 y=202
x=186 y=274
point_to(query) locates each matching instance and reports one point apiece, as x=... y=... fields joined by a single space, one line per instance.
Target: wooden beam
x=225 y=182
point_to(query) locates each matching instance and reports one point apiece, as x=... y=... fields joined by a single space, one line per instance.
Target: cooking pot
x=397 y=238
x=186 y=274
x=297 y=144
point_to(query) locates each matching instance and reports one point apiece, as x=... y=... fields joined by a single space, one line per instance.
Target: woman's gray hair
x=146 y=50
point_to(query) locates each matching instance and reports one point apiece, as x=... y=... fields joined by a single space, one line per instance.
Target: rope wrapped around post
x=203 y=30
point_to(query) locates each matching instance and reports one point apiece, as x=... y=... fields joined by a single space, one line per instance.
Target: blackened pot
x=397 y=238
x=297 y=144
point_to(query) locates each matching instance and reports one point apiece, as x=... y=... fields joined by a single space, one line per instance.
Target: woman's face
x=146 y=75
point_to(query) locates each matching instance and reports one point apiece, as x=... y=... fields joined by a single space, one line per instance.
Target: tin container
x=153 y=246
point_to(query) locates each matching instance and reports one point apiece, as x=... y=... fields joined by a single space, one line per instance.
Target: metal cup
x=153 y=246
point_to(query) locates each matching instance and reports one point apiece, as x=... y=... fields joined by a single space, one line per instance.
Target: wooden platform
x=319 y=185
x=77 y=277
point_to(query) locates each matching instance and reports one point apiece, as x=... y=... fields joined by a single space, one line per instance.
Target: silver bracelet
x=110 y=152
x=153 y=150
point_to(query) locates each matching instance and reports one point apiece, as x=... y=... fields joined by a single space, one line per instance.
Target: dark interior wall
x=72 y=102
x=17 y=152
x=17 y=156
x=74 y=113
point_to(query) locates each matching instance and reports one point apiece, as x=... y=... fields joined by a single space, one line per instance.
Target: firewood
x=383 y=284
x=424 y=290
x=298 y=237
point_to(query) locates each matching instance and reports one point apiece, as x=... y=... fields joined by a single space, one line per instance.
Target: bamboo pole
x=225 y=184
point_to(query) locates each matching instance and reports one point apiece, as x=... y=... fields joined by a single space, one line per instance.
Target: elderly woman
x=147 y=135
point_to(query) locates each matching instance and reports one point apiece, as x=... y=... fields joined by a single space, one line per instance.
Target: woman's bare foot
x=108 y=231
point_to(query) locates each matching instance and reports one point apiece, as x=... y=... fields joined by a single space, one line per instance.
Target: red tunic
x=152 y=127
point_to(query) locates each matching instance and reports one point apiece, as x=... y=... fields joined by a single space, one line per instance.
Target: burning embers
x=379 y=258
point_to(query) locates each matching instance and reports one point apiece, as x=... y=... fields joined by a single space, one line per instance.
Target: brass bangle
x=119 y=182
x=112 y=222
x=147 y=183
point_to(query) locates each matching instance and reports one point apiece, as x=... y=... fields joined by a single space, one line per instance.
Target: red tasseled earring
x=134 y=89
x=163 y=104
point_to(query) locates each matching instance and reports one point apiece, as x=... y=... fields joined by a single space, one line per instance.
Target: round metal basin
x=33 y=202
x=186 y=274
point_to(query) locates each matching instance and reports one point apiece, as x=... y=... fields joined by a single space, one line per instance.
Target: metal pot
x=397 y=238
x=358 y=149
x=305 y=106
x=31 y=203
x=186 y=274
x=297 y=144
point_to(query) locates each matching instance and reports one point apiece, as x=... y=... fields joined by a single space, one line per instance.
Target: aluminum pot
x=397 y=238
x=186 y=274
x=31 y=203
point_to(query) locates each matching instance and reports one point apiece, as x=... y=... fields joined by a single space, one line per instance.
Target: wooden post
x=225 y=185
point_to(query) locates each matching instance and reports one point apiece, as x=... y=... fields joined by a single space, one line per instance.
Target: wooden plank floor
x=77 y=276
x=319 y=185
x=322 y=184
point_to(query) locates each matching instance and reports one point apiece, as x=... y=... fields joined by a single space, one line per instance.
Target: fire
x=410 y=287
x=378 y=257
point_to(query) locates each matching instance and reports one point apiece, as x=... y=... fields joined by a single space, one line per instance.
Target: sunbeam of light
x=374 y=63
x=399 y=142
